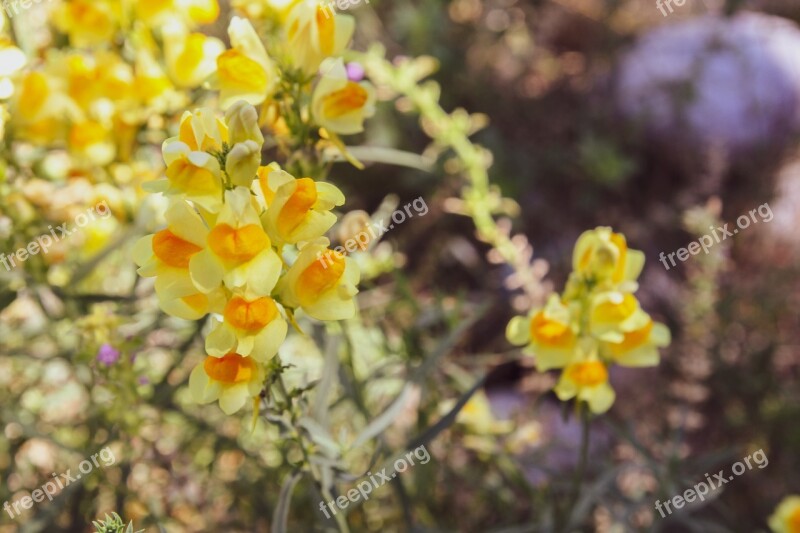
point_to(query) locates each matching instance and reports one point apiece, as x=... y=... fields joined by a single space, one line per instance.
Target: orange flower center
x=297 y=206
x=351 y=98
x=230 y=369
x=319 y=278
x=551 y=333
x=250 y=316
x=588 y=374
x=172 y=250
x=238 y=245
x=633 y=339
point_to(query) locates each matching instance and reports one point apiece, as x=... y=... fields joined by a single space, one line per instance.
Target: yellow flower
x=245 y=72
x=153 y=12
x=324 y=290
x=314 y=33
x=231 y=379
x=612 y=314
x=299 y=209
x=588 y=381
x=239 y=252
x=191 y=58
x=250 y=327
x=87 y=22
x=550 y=334
x=340 y=105
x=603 y=257
x=639 y=347
x=191 y=169
x=477 y=417
x=166 y=256
x=786 y=518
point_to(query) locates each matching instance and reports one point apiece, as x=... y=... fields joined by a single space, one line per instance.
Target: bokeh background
x=600 y=112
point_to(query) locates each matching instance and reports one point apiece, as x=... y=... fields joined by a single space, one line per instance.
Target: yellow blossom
x=588 y=381
x=340 y=105
x=245 y=72
x=231 y=379
x=549 y=333
x=250 y=327
x=324 y=290
x=239 y=252
x=314 y=33
x=166 y=256
x=299 y=209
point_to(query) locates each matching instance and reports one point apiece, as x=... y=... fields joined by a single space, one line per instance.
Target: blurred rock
x=714 y=84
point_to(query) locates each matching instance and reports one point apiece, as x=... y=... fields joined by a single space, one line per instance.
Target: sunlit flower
x=166 y=256
x=325 y=291
x=239 y=252
x=190 y=57
x=549 y=333
x=314 y=33
x=250 y=327
x=612 y=314
x=340 y=105
x=602 y=257
x=245 y=72
x=231 y=379
x=477 y=417
x=92 y=141
x=299 y=209
x=200 y=11
x=588 y=381
x=786 y=518
x=639 y=347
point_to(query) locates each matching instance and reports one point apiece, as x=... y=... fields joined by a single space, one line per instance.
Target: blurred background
x=600 y=113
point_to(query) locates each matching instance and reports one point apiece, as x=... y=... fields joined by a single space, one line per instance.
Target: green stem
x=580 y=470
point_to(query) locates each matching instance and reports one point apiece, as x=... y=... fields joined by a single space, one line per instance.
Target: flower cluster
x=232 y=227
x=596 y=322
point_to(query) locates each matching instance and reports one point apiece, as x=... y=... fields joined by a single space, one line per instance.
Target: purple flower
x=355 y=72
x=143 y=380
x=107 y=355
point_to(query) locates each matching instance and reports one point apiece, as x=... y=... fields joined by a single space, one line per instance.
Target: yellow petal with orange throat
x=326 y=25
x=294 y=211
x=632 y=339
x=587 y=374
x=191 y=179
x=172 y=250
x=230 y=369
x=238 y=245
x=318 y=278
x=551 y=333
x=250 y=316
x=33 y=94
x=351 y=98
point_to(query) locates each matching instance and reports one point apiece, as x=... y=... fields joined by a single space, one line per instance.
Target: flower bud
x=242 y=163
x=242 y=120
